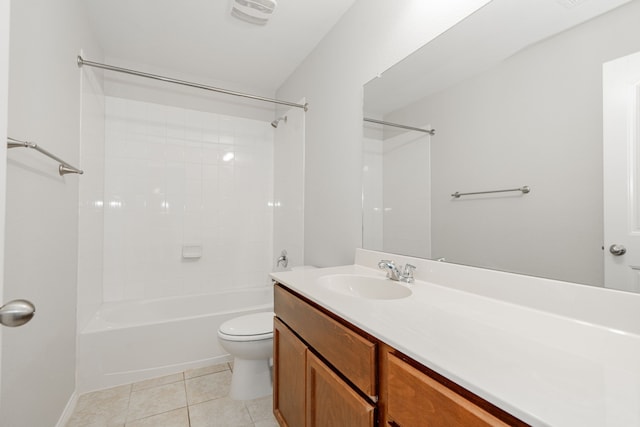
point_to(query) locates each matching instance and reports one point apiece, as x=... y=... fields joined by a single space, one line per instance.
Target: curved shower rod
x=81 y=62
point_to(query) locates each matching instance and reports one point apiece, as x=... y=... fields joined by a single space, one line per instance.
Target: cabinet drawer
x=416 y=399
x=350 y=353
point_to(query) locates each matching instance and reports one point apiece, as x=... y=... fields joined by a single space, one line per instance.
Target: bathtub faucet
x=283 y=260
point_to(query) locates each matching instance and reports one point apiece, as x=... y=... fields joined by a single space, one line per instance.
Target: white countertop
x=547 y=369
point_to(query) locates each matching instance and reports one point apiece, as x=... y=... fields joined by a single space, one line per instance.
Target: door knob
x=617 y=250
x=16 y=313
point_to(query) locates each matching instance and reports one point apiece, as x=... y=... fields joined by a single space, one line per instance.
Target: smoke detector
x=255 y=12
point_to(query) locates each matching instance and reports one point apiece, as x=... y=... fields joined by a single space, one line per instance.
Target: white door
x=621 y=156
x=4 y=97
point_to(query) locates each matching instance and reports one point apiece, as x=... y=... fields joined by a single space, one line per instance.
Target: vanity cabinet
x=412 y=396
x=289 y=372
x=324 y=372
x=328 y=372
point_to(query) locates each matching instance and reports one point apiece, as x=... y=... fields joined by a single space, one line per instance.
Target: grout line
x=184 y=383
x=126 y=412
x=159 y=413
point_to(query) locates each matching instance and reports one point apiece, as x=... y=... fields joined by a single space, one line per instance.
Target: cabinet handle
x=393 y=424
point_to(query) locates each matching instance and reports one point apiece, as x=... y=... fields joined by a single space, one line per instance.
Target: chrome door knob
x=16 y=313
x=617 y=250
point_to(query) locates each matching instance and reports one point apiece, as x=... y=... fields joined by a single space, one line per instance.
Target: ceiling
x=200 y=38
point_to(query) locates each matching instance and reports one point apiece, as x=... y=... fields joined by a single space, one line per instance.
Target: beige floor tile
x=260 y=409
x=156 y=400
x=267 y=423
x=208 y=387
x=154 y=382
x=176 y=418
x=222 y=412
x=104 y=408
x=192 y=373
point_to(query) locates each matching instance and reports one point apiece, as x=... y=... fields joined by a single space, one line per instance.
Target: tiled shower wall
x=180 y=181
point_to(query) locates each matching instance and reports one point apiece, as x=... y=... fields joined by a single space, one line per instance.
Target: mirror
x=514 y=93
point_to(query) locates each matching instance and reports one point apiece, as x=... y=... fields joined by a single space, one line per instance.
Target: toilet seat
x=251 y=327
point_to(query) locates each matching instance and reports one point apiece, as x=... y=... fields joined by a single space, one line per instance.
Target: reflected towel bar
x=380 y=122
x=64 y=167
x=525 y=189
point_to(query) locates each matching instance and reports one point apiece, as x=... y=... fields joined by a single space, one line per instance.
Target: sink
x=368 y=287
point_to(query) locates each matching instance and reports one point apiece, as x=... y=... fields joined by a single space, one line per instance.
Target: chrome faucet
x=394 y=273
x=283 y=259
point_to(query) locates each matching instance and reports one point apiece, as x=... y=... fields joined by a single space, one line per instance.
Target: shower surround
x=178 y=204
x=177 y=178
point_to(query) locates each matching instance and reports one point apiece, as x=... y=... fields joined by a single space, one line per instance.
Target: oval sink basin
x=364 y=286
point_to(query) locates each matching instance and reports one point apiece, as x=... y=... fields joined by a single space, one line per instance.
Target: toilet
x=249 y=339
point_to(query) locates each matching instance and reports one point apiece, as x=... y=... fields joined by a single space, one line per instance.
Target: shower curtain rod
x=82 y=62
x=380 y=122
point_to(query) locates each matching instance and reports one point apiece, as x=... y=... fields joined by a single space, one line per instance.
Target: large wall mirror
x=515 y=96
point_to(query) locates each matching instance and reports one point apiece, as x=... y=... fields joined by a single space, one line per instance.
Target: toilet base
x=251 y=379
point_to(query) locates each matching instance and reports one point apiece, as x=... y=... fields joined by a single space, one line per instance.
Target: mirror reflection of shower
x=277 y=121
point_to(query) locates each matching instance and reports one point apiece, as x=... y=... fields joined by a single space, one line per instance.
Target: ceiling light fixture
x=255 y=12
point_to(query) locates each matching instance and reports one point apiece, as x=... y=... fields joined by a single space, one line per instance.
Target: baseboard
x=68 y=410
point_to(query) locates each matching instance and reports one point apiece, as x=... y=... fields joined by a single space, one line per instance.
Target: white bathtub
x=137 y=340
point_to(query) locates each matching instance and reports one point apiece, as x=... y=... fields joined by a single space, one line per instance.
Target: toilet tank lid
x=250 y=324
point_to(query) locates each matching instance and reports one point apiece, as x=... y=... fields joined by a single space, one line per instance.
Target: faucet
x=283 y=260
x=394 y=273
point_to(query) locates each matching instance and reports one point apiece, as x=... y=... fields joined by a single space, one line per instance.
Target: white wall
x=38 y=360
x=169 y=184
x=535 y=119
x=91 y=196
x=288 y=177
x=371 y=36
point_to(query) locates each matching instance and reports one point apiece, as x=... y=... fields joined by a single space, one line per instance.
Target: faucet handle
x=407 y=274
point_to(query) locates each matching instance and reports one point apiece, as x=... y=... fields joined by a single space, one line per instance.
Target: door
x=289 y=369
x=621 y=160
x=4 y=96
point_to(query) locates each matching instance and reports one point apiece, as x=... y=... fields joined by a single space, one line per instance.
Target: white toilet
x=249 y=339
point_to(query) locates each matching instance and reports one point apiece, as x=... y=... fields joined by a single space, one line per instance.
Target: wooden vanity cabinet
x=328 y=373
x=323 y=371
x=415 y=399
x=289 y=372
x=331 y=402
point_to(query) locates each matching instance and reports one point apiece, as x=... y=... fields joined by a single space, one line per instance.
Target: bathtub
x=132 y=341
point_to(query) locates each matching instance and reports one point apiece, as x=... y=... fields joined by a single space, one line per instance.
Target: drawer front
x=350 y=353
x=415 y=399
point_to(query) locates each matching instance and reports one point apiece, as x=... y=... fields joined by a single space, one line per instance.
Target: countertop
x=544 y=368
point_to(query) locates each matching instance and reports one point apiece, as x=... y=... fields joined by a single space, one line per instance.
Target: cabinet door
x=415 y=399
x=289 y=370
x=331 y=402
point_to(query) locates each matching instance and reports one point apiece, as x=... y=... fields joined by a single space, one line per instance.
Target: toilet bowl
x=249 y=339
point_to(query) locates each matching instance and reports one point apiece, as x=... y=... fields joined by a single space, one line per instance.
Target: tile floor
x=195 y=398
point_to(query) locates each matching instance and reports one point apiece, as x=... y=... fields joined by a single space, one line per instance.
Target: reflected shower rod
x=81 y=62
x=381 y=122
